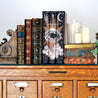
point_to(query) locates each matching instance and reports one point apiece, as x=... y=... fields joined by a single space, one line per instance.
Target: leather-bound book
x=36 y=41
x=79 y=54
x=20 y=44
x=28 y=41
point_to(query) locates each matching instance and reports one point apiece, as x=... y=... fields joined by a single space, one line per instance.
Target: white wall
x=13 y=12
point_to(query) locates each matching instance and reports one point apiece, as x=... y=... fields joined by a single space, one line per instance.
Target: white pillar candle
x=71 y=31
x=77 y=34
x=73 y=37
x=86 y=35
x=77 y=37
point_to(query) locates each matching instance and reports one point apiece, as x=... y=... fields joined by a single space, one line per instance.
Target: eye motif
x=53 y=35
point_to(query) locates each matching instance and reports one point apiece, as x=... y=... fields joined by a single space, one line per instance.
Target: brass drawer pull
x=92 y=96
x=57 y=89
x=92 y=90
x=57 y=71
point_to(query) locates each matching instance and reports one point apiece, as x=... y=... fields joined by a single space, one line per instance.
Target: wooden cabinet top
x=48 y=66
x=49 y=71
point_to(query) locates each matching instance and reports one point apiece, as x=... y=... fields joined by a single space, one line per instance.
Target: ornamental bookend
x=8 y=49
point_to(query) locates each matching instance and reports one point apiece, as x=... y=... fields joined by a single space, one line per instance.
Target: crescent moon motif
x=58 y=17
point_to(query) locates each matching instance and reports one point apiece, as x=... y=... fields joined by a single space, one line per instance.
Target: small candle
x=77 y=37
x=77 y=34
x=86 y=35
x=72 y=29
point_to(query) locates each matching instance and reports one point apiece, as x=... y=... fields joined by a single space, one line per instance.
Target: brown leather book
x=28 y=41
x=20 y=44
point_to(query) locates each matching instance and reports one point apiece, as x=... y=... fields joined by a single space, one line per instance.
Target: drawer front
x=21 y=89
x=87 y=89
x=68 y=72
x=57 y=89
x=47 y=72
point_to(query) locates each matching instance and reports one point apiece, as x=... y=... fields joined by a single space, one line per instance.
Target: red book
x=28 y=41
x=79 y=60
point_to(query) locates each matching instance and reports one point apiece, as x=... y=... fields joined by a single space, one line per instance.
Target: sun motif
x=52 y=36
x=52 y=31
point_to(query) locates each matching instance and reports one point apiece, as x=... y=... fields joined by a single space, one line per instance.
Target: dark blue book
x=53 y=37
x=36 y=41
x=60 y=37
x=45 y=39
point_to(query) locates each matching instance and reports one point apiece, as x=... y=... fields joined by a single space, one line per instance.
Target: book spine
x=36 y=41
x=60 y=37
x=52 y=37
x=78 y=56
x=85 y=52
x=20 y=44
x=79 y=60
x=45 y=39
x=28 y=41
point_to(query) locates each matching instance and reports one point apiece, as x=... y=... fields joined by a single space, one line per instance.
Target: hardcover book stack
x=33 y=41
x=79 y=54
x=42 y=40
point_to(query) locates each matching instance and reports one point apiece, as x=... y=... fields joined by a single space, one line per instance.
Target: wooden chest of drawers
x=49 y=81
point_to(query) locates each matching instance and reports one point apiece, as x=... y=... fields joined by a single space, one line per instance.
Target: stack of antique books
x=41 y=41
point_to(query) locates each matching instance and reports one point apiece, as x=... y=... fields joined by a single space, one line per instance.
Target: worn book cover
x=53 y=33
x=79 y=60
x=28 y=41
x=20 y=44
x=36 y=41
x=79 y=54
